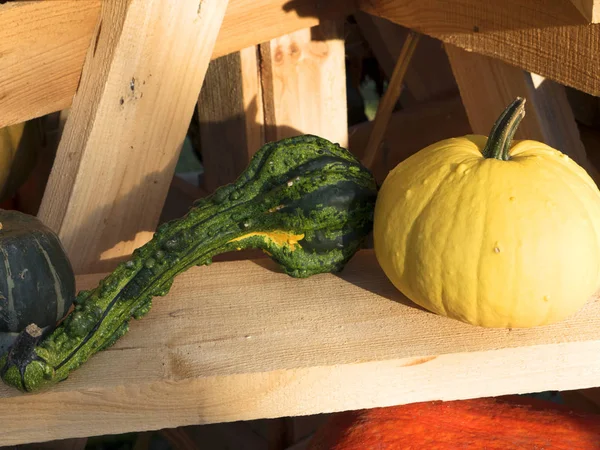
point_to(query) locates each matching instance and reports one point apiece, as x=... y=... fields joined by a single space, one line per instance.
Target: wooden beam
x=129 y=118
x=488 y=85
x=304 y=84
x=39 y=75
x=590 y=9
x=546 y=37
x=241 y=340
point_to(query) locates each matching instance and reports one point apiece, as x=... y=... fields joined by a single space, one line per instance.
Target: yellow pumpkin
x=490 y=231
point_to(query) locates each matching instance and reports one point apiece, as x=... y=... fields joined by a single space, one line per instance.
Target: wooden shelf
x=238 y=340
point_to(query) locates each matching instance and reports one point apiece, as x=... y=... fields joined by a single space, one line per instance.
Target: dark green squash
x=303 y=200
x=37 y=284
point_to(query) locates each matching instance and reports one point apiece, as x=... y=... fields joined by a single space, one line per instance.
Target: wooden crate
x=238 y=340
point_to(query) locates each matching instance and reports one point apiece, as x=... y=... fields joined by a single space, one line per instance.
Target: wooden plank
x=246 y=102
x=230 y=110
x=428 y=77
x=129 y=119
x=42 y=50
x=546 y=37
x=488 y=85
x=390 y=99
x=241 y=340
x=590 y=9
x=304 y=84
x=39 y=75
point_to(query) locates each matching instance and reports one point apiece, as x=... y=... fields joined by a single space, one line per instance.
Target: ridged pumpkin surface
x=496 y=243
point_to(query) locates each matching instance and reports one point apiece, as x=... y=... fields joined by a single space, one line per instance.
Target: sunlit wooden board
x=241 y=340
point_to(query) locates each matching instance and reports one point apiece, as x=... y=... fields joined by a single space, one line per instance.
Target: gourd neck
x=500 y=138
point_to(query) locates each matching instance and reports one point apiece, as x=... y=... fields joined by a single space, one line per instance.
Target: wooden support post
x=304 y=84
x=141 y=79
x=292 y=85
x=488 y=85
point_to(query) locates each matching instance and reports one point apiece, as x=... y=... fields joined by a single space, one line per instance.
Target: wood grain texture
x=239 y=340
x=304 y=84
x=590 y=9
x=230 y=110
x=43 y=44
x=488 y=85
x=129 y=119
x=547 y=37
x=42 y=50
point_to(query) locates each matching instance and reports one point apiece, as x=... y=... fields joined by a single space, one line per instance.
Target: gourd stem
x=500 y=138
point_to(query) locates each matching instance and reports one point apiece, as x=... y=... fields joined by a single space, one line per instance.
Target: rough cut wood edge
x=39 y=75
x=238 y=340
x=122 y=139
x=547 y=37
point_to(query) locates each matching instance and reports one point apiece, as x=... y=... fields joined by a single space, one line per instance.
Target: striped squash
x=37 y=284
x=306 y=202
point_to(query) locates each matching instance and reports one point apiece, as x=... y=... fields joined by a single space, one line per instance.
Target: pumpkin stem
x=500 y=138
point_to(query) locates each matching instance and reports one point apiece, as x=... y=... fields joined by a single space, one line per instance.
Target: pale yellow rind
x=492 y=243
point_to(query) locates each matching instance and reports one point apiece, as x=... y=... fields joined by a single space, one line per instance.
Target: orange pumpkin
x=491 y=423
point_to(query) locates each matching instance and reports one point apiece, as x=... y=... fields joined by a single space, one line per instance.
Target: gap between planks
x=240 y=340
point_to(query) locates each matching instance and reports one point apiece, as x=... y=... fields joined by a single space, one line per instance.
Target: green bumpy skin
x=305 y=188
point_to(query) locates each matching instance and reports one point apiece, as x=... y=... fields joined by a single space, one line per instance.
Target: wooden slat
x=230 y=110
x=240 y=340
x=429 y=76
x=589 y=8
x=43 y=44
x=390 y=99
x=488 y=85
x=129 y=119
x=547 y=37
x=304 y=84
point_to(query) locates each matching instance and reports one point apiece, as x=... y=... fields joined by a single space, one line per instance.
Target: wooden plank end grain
x=241 y=340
